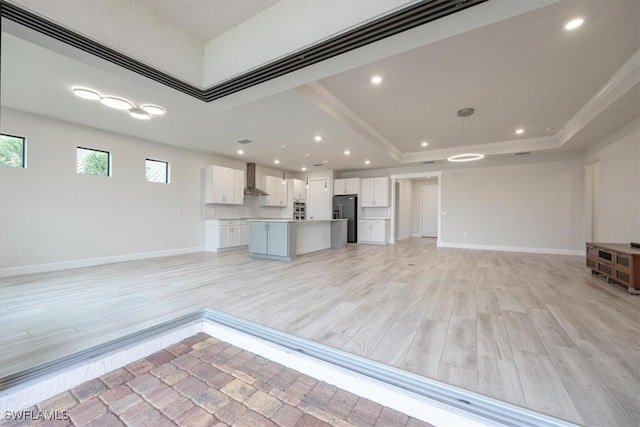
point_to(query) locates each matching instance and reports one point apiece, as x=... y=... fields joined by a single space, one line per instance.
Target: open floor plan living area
x=308 y=213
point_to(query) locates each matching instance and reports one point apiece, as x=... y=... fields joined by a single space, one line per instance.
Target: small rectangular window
x=12 y=149
x=92 y=162
x=157 y=171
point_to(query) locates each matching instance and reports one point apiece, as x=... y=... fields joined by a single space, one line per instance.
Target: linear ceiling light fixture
x=141 y=113
x=466 y=157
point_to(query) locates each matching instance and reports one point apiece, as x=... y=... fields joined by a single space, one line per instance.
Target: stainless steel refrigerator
x=347 y=207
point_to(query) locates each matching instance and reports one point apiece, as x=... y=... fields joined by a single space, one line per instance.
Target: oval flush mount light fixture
x=87 y=93
x=573 y=24
x=347 y=152
x=519 y=131
x=154 y=110
x=139 y=113
x=424 y=143
x=468 y=157
x=367 y=162
x=117 y=103
x=376 y=80
x=317 y=138
x=276 y=161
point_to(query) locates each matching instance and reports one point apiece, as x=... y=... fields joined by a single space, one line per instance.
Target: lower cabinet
x=225 y=234
x=373 y=231
x=272 y=239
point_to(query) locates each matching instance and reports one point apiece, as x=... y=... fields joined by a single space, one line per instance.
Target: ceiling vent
x=317 y=165
x=244 y=141
x=522 y=153
x=429 y=162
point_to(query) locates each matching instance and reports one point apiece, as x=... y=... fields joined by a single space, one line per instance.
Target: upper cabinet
x=223 y=185
x=375 y=192
x=346 y=186
x=299 y=190
x=277 y=191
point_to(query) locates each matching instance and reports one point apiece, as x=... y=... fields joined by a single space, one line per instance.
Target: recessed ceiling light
x=276 y=161
x=465 y=157
x=376 y=80
x=284 y=146
x=424 y=143
x=573 y=24
x=87 y=93
x=367 y=162
x=317 y=138
x=240 y=151
x=139 y=113
x=115 y=102
x=306 y=155
x=304 y=169
x=520 y=131
x=154 y=110
x=325 y=161
x=347 y=152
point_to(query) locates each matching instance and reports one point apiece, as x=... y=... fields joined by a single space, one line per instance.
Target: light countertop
x=293 y=220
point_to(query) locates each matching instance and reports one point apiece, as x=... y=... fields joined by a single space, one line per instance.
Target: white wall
x=63 y=217
x=535 y=207
x=618 y=202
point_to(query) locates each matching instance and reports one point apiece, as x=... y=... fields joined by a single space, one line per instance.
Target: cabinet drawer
x=604 y=255
x=623 y=260
x=591 y=263
x=378 y=221
x=605 y=268
x=591 y=251
x=623 y=276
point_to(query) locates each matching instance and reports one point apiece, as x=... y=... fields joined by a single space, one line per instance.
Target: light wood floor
x=534 y=330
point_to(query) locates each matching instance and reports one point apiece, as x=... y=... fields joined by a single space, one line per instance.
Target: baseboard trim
x=89 y=262
x=423 y=398
x=549 y=251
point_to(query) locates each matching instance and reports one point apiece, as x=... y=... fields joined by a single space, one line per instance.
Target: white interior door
x=429 y=210
x=319 y=201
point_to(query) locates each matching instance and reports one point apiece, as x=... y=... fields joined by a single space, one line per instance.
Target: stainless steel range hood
x=251 y=189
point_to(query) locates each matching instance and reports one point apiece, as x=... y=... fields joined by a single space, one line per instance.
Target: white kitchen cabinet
x=225 y=234
x=319 y=205
x=299 y=190
x=223 y=185
x=276 y=189
x=375 y=192
x=373 y=231
x=346 y=186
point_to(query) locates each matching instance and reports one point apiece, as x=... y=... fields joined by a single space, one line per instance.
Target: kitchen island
x=284 y=239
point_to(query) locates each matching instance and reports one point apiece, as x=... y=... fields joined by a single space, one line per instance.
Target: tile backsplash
x=250 y=209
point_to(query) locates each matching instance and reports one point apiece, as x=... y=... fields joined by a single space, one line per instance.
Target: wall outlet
x=22 y=249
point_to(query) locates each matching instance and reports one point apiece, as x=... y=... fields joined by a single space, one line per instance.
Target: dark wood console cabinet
x=616 y=262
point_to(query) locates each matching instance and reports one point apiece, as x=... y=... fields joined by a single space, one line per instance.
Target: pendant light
x=307 y=184
x=465 y=157
x=284 y=180
x=325 y=185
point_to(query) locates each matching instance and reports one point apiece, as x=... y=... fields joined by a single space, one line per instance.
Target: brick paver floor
x=203 y=381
